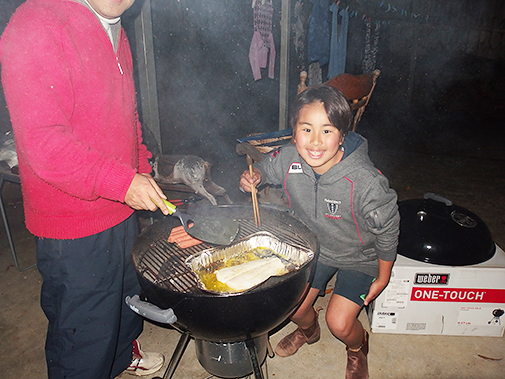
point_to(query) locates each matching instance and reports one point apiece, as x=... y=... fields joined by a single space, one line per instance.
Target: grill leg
x=176 y=356
x=254 y=359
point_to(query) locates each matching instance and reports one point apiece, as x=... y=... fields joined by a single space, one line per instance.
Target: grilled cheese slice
x=247 y=275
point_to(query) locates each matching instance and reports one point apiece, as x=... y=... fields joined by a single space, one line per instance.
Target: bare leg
x=342 y=321
x=305 y=315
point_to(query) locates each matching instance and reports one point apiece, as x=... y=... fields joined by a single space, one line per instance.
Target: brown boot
x=357 y=365
x=290 y=344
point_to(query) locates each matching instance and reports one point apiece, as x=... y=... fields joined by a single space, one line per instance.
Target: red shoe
x=144 y=363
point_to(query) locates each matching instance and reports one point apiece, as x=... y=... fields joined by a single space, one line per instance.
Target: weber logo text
x=432 y=279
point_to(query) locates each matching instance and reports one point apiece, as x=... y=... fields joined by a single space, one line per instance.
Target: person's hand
x=145 y=194
x=246 y=180
x=374 y=291
x=381 y=282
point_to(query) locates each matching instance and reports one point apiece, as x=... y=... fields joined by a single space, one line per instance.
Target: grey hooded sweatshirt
x=351 y=207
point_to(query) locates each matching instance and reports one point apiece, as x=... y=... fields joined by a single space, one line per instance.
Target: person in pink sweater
x=67 y=74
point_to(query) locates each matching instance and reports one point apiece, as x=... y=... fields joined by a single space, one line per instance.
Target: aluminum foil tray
x=293 y=256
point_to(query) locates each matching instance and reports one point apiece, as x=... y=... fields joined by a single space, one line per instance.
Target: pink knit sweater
x=73 y=110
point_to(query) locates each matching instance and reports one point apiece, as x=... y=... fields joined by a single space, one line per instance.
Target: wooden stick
x=257 y=220
x=257 y=208
x=254 y=195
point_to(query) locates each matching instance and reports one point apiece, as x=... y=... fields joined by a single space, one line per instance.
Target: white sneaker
x=144 y=363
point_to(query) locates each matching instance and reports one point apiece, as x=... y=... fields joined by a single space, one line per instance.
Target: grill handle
x=150 y=311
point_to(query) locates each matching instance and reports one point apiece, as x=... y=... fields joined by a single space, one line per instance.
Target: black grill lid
x=434 y=230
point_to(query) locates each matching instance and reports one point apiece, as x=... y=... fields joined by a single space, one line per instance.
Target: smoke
x=206 y=91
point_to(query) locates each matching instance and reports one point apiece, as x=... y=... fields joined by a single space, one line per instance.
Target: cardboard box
x=423 y=298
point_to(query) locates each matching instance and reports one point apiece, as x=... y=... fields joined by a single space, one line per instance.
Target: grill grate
x=163 y=263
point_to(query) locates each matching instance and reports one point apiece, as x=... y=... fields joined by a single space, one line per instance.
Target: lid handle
x=433 y=196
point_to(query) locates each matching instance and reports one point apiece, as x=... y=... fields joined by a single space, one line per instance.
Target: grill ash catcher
x=230 y=330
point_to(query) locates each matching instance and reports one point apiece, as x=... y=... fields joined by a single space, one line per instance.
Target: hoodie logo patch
x=332 y=206
x=296 y=168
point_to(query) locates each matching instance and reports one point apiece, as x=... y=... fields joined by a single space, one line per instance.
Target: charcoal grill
x=220 y=322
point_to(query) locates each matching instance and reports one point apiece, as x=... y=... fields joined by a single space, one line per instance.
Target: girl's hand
x=374 y=291
x=246 y=180
x=381 y=282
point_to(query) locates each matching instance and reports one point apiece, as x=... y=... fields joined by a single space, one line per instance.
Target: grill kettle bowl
x=232 y=317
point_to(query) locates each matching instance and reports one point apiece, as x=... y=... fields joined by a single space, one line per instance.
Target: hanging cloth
x=262 y=49
x=371 y=46
x=301 y=13
x=315 y=75
x=318 y=47
x=338 y=46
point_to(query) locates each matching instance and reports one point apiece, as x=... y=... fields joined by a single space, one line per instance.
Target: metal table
x=7 y=176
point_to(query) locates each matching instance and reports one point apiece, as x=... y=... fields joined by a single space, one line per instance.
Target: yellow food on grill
x=247 y=275
x=242 y=271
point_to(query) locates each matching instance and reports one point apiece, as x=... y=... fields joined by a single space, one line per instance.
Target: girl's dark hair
x=336 y=106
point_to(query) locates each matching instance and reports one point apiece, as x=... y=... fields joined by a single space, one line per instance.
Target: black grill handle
x=151 y=311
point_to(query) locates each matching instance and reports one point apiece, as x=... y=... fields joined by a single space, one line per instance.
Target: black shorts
x=351 y=284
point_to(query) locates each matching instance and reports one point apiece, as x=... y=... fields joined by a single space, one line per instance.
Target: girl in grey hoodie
x=332 y=185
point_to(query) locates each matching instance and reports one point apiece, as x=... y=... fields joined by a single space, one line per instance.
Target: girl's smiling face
x=316 y=139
